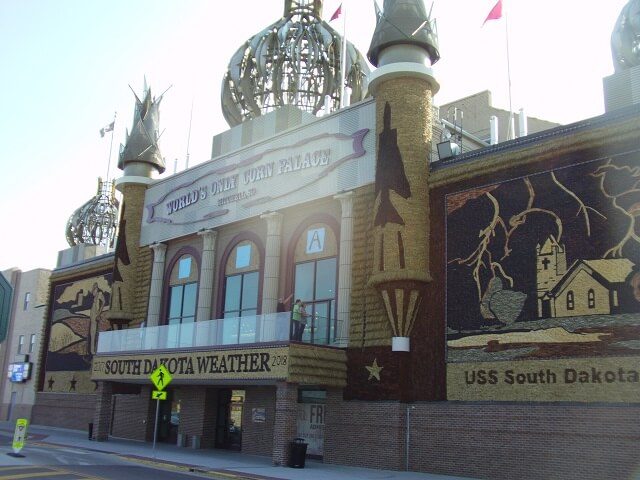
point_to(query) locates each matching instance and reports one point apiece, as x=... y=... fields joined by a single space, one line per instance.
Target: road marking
x=10 y=473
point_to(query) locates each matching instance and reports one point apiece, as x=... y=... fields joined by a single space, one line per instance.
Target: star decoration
x=374 y=370
x=51 y=381
x=72 y=383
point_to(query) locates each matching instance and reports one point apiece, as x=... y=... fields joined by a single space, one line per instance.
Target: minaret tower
x=139 y=159
x=403 y=47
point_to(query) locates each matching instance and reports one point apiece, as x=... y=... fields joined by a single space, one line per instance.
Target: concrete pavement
x=233 y=464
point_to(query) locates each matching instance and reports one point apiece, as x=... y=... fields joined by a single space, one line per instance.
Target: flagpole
x=343 y=53
x=511 y=134
x=111 y=144
x=186 y=166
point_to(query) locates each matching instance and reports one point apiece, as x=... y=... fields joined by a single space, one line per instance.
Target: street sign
x=20 y=435
x=161 y=377
x=159 y=395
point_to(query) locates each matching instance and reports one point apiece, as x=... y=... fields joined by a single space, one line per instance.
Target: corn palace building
x=474 y=314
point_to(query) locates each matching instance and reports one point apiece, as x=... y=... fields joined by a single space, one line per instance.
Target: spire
x=404 y=22
x=142 y=143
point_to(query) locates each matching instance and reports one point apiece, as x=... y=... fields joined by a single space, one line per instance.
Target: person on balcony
x=299 y=320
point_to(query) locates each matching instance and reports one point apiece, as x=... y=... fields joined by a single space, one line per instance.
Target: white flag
x=108 y=128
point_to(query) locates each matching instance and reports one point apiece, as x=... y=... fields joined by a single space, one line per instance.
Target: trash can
x=90 y=431
x=298 y=453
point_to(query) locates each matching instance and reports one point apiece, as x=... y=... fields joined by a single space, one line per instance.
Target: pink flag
x=495 y=13
x=336 y=14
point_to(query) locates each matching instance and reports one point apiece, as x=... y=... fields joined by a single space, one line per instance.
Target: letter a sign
x=161 y=377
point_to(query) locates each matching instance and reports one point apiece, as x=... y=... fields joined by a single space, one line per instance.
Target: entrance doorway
x=168 y=419
x=229 y=419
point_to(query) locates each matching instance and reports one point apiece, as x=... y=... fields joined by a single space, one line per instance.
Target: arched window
x=315 y=281
x=183 y=298
x=570 y=300
x=591 y=298
x=241 y=293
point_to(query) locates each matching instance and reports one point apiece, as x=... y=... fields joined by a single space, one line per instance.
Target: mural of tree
x=620 y=182
x=493 y=232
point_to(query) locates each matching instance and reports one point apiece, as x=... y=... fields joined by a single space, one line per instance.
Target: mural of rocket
x=403 y=89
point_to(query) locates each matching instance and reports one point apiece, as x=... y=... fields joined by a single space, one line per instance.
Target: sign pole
x=155 y=428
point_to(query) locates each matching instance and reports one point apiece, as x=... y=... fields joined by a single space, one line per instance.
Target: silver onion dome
x=95 y=222
x=295 y=61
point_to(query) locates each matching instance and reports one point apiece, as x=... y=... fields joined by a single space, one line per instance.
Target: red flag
x=495 y=13
x=336 y=14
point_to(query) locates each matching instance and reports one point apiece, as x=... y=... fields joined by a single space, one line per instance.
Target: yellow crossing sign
x=161 y=377
x=159 y=395
x=20 y=434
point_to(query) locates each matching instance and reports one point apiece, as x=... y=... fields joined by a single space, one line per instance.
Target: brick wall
x=73 y=410
x=285 y=426
x=488 y=441
x=198 y=414
x=257 y=437
x=132 y=420
x=367 y=434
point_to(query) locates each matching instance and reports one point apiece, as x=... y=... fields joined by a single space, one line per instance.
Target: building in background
x=476 y=115
x=19 y=353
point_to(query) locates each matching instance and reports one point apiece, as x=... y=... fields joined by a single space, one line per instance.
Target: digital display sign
x=19 y=372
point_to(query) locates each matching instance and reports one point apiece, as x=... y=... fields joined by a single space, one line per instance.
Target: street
x=38 y=460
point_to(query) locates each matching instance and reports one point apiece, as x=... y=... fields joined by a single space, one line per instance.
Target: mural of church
x=545 y=259
x=589 y=287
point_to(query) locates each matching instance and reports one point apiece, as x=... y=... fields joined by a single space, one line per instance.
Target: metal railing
x=267 y=328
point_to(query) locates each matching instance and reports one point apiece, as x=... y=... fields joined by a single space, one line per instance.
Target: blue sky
x=68 y=65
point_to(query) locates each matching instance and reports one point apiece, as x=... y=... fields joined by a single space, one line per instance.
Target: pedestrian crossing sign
x=19 y=435
x=159 y=395
x=161 y=377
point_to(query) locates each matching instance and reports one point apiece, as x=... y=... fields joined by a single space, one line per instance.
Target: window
x=241 y=293
x=182 y=303
x=315 y=280
x=32 y=343
x=570 y=300
x=183 y=298
x=591 y=298
x=20 y=343
x=27 y=299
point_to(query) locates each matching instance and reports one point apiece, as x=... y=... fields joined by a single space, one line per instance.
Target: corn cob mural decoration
x=403 y=47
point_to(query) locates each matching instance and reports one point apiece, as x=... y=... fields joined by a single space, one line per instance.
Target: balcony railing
x=268 y=328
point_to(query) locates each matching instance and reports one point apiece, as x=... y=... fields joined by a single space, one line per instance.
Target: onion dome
x=405 y=22
x=95 y=222
x=625 y=38
x=295 y=61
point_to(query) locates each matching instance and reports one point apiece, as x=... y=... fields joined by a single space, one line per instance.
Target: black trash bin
x=298 y=453
x=90 y=431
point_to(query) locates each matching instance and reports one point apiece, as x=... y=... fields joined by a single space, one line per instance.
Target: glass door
x=229 y=419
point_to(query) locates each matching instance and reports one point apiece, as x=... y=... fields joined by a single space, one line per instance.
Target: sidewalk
x=212 y=460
